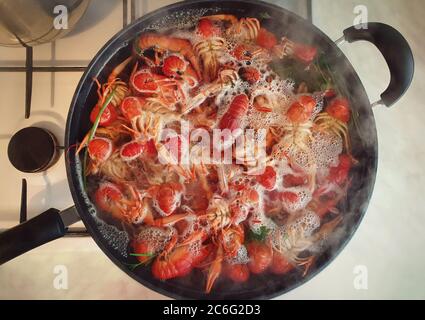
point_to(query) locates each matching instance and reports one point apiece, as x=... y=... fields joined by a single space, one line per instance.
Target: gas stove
x=395 y=215
x=37 y=85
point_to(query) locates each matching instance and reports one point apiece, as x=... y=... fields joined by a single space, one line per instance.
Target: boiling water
x=117 y=239
x=320 y=153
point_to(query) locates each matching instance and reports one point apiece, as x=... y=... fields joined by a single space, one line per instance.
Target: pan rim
x=73 y=180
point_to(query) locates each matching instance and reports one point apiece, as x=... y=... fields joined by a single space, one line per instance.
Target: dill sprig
x=93 y=131
x=134 y=266
x=260 y=236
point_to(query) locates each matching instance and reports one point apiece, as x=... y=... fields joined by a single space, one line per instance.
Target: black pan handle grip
x=44 y=228
x=396 y=52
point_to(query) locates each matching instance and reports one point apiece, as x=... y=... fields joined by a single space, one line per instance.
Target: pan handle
x=50 y=225
x=396 y=52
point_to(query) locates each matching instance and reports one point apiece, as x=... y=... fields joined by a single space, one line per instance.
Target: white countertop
x=389 y=242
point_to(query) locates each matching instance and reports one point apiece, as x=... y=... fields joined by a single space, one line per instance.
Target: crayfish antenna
x=83 y=144
x=214 y=270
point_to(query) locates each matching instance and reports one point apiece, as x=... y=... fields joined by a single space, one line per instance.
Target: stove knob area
x=33 y=150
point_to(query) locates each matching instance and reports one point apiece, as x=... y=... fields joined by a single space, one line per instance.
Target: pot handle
x=397 y=54
x=50 y=225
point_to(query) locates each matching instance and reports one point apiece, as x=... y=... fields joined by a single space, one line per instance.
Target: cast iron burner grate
x=33 y=149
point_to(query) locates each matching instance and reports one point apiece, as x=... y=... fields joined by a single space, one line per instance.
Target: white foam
x=117 y=239
x=306 y=224
x=241 y=257
x=179 y=20
x=326 y=148
x=295 y=235
x=304 y=197
x=157 y=237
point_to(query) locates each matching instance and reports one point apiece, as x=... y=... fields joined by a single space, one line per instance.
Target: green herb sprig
x=134 y=266
x=93 y=131
x=265 y=15
x=260 y=236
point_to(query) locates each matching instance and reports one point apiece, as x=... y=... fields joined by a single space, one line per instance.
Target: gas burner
x=33 y=150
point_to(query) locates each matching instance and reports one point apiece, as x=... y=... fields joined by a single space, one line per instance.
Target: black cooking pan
x=52 y=224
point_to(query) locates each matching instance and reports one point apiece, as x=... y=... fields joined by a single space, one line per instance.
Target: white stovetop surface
x=389 y=242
